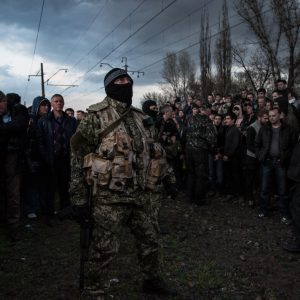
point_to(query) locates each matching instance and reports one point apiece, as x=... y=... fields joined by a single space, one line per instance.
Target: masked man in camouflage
x=115 y=157
x=201 y=138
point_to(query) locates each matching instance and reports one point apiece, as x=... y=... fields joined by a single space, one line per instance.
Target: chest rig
x=127 y=157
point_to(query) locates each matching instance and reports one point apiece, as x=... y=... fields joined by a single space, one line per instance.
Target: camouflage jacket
x=201 y=133
x=86 y=141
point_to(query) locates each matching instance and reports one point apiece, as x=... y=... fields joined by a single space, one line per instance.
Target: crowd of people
x=228 y=147
x=234 y=147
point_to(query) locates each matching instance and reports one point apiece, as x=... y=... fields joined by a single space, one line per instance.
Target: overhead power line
x=170 y=26
x=36 y=40
x=197 y=43
x=108 y=34
x=125 y=40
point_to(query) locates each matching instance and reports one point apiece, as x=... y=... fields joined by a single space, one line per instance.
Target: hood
x=240 y=115
x=36 y=104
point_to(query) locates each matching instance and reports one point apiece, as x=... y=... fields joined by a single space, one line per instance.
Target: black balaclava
x=146 y=108
x=119 y=92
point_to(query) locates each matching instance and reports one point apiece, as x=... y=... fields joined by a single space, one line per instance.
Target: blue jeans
x=215 y=173
x=269 y=168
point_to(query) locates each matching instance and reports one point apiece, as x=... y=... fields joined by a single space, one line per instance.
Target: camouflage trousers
x=109 y=219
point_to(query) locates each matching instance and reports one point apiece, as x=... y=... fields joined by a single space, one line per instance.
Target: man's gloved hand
x=78 y=213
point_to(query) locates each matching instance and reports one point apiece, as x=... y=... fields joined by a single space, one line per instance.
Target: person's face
x=168 y=114
x=210 y=98
x=228 y=99
x=43 y=108
x=228 y=121
x=195 y=111
x=212 y=117
x=57 y=103
x=3 y=107
x=218 y=98
x=268 y=105
x=236 y=111
x=274 y=116
x=275 y=95
x=264 y=119
x=70 y=113
x=260 y=95
x=261 y=102
x=181 y=114
x=190 y=99
x=244 y=94
x=217 y=120
x=249 y=109
x=245 y=105
x=122 y=80
x=153 y=107
x=280 y=86
x=250 y=97
x=79 y=115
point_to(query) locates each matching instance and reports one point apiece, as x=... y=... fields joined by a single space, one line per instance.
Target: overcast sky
x=80 y=34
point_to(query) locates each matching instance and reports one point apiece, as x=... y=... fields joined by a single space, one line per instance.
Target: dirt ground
x=217 y=251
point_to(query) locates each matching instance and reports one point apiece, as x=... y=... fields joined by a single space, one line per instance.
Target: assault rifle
x=81 y=214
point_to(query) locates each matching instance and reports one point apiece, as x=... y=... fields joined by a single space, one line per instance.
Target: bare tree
x=288 y=13
x=170 y=72
x=205 y=55
x=178 y=73
x=255 y=65
x=275 y=24
x=223 y=53
x=158 y=97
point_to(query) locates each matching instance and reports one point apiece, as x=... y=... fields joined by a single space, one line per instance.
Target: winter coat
x=287 y=141
x=46 y=139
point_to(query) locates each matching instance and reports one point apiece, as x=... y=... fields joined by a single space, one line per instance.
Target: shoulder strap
x=113 y=125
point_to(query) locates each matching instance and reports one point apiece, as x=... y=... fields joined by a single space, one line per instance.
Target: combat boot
x=158 y=286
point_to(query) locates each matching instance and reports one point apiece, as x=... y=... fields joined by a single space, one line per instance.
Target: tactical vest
x=116 y=164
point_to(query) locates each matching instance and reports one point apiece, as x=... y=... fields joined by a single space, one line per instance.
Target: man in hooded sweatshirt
x=35 y=179
x=116 y=158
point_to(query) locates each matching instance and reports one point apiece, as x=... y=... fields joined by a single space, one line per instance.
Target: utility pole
x=47 y=81
x=124 y=59
x=42 y=80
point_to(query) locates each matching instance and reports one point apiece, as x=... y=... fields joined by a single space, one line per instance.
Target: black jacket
x=287 y=140
x=45 y=135
x=13 y=133
x=232 y=144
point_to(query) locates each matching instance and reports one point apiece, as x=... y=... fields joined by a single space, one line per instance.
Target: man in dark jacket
x=274 y=145
x=201 y=138
x=54 y=133
x=232 y=157
x=13 y=125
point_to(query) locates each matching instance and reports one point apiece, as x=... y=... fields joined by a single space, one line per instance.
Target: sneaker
x=286 y=221
x=261 y=215
x=31 y=216
x=158 y=286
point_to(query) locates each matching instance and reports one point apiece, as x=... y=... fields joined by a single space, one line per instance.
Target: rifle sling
x=113 y=125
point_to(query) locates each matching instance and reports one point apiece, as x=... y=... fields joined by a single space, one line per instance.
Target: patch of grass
x=208 y=276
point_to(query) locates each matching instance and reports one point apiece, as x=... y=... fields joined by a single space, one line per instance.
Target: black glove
x=78 y=213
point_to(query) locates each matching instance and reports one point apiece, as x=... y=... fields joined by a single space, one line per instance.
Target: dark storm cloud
x=70 y=29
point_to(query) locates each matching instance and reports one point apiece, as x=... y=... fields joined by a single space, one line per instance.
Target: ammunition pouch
x=156 y=169
x=98 y=170
x=121 y=172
